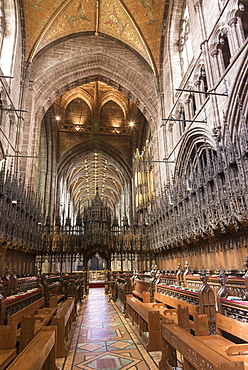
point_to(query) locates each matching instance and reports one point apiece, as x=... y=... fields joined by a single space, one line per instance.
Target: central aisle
x=104 y=340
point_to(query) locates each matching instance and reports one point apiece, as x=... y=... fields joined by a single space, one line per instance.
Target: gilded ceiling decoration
x=96 y=112
x=137 y=23
x=95 y=170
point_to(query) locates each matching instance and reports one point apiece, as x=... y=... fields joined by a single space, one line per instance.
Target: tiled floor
x=104 y=340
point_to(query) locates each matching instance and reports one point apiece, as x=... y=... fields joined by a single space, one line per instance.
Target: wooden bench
x=227 y=347
x=13 y=304
x=173 y=302
x=63 y=320
x=203 y=298
x=50 y=287
x=7 y=345
x=123 y=287
x=141 y=290
x=32 y=324
x=178 y=345
x=196 y=323
x=234 y=308
x=30 y=320
x=39 y=353
x=74 y=289
x=148 y=321
x=16 y=318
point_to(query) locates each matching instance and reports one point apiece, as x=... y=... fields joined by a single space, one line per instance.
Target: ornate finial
x=204 y=277
x=222 y=279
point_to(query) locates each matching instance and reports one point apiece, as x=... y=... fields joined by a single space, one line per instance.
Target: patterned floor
x=103 y=339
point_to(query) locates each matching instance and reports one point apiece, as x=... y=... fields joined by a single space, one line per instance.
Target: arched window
x=185 y=45
x=78 y=113
x=203 y=80
x=200 y=85
x=112 y=115
x=223 y=45
x=8 y=36
x=242 y=14
x=182 y=122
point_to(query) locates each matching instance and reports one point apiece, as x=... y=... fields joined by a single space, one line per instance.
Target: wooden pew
x=30 y=320
x=173 y=302
x=39 y=354
x=196 y=323
x=32 y=324
x=148 y=321
x=7 y=345
x=228 y=304
x=177 y=344
x=141 y=290
x=226 y=347
x=51 y=286
x=234 y=308
x=74 y=289
x=63 y=320
x=123 y=287
x=16 y=318
x=13 y=304
x=24 y=284
x=202 y=300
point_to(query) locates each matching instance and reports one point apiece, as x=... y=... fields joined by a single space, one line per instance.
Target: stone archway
x=55 y=71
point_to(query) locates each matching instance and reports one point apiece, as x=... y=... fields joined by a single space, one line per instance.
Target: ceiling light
x=58 y=118
x=131 y=124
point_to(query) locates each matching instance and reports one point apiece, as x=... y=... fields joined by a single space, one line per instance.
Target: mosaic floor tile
x=104 y=333
x=91 y=347
x=104 y=340
x=108 y=361
x=121 y=344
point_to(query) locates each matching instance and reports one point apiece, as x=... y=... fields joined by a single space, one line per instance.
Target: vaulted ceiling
x=87 y=117
x=136 y=23
x=96 y=145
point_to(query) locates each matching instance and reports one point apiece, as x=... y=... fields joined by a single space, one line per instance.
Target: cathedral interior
x=124 y=153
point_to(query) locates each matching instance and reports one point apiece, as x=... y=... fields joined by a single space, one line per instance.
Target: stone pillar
x=218 y=65
x=235 y=34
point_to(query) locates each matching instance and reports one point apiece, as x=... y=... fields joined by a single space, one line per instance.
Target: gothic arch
x=171 y=51
x=200 y=137
x=116 y=66
x=76 y=93
x=238 y=93
x=116 y=98
x=220 y=48
x=53 y=73
x=72 y=154
x=72 y=167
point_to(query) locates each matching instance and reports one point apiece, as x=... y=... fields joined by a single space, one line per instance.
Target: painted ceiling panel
x=137 y=23
x=95 y=170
